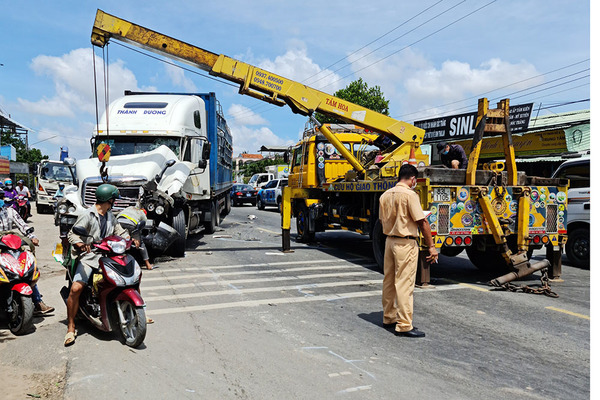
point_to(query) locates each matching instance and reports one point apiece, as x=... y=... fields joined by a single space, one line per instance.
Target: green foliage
x=30 y=157
x=258 y=167
x=358 y=92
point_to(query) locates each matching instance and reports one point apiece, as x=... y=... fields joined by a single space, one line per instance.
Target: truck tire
x=378 y=243
x=209 y=227
x=488 y=260
x=227 y=208
x=259 y=203
x=578 y=247
x=451 y=251
x=303 y=235
x=177 y=249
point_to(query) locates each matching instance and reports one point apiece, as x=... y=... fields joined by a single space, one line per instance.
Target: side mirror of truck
x=206 y=151
x=168 y=164
x=202 y=164
x=286 y=157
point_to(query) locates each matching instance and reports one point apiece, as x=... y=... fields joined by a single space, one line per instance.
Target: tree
x=258 y=167
x=358 y=92
x=30 y=156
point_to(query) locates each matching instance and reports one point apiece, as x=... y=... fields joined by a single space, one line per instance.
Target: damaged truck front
x=171 y=155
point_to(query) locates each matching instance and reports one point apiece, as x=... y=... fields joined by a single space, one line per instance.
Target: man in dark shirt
x=453 y=155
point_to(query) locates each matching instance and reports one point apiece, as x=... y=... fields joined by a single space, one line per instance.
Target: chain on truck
x=337 y=176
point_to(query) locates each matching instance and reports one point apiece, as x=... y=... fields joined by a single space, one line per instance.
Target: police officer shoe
x=413 y=333
x=391 y=325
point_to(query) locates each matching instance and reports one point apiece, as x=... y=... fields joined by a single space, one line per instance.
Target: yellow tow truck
x=338 y=172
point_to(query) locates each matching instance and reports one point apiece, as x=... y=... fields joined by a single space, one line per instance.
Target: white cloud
x=241 y=115
x=72 y=74
x=295 y=64
x=178 y=78
x=248 y=136
x=417 y=88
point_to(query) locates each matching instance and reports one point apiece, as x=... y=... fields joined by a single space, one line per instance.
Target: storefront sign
x=457 y=127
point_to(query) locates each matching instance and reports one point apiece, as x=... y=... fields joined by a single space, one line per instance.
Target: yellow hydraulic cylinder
x=523 y=222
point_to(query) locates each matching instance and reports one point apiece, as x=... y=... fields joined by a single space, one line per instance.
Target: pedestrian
x=10 y=219
x=453 y=155
x=129 y=219
x=402 y=217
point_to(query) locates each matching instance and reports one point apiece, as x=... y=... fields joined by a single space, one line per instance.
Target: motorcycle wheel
x=21 y=319
x=133 y=332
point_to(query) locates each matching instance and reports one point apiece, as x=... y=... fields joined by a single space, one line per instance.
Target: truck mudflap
x=162 y=238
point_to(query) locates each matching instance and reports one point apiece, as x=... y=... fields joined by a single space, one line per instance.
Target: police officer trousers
x=399 y=274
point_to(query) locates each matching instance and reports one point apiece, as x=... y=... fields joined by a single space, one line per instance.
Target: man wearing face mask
x=99 y=222
x=401 y=218
x=453 y=155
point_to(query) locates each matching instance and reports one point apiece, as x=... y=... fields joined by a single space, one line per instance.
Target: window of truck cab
x=123 y=145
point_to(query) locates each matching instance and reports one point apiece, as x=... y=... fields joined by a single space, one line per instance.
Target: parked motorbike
x=18 y=274
x=111 y=300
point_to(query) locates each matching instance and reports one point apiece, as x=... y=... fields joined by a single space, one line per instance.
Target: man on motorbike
x=99 y=222
x=23 y=190
x=9 y=219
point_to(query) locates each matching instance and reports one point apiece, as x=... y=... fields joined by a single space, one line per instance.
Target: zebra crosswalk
x=255 y=284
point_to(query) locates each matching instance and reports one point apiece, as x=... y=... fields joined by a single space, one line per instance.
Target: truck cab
x=50 y=174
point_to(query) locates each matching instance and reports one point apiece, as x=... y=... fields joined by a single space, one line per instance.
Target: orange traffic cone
x=412 y=160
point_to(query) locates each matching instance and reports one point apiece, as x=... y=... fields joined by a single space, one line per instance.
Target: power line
x=416 y=41
x=399 y=37
x=376 y=39
x=490 y=91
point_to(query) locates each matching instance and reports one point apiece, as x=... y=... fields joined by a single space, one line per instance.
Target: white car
x=270 y=194
x=578 y=211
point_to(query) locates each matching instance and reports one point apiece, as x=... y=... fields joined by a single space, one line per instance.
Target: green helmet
x=105 y=192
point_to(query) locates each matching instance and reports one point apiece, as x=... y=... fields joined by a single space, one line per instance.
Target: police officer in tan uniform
x=401 y=216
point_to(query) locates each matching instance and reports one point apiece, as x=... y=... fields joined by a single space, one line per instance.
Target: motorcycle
x=18 y=274
x=111 y=300
x=22 y=209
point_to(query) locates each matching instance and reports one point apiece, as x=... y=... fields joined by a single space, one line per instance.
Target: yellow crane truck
x=338 y=172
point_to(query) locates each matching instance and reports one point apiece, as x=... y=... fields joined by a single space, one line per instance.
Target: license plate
x=247 y=194
x=441 y=194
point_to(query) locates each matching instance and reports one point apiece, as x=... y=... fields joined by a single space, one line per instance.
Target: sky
x=430 y=58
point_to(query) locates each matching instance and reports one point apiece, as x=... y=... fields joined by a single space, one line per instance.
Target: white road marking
x=237 y=290
x=266 y=264
x=252 y=280
x=255 y=303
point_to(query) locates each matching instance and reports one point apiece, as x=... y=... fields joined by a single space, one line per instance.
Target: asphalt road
x=236 y=318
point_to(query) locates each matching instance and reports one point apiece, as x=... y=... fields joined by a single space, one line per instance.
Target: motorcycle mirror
x=81 y=231
x=29 y=231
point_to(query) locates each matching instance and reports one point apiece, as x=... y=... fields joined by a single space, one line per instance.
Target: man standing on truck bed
x=401 y=217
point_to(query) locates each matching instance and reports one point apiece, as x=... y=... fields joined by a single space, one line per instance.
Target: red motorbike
x=111 y=300
x=22 y=208
x=18 y=274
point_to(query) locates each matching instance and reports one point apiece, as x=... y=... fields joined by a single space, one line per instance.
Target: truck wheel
x=578 y=247
x=303 y=235
x=489 y=260
x=209 y=227
x=259 y=204
x=177 y=249
x=378 y=242
x=451 y=251
x=227 y=208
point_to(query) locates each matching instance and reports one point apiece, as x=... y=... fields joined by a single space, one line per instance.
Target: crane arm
x=253 y=81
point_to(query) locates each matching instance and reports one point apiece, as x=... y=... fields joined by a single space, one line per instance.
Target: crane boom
x=255 y=82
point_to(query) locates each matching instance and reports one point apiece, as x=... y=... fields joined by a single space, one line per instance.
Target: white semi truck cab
x=171 y=154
